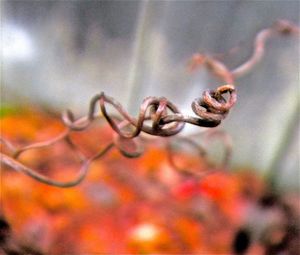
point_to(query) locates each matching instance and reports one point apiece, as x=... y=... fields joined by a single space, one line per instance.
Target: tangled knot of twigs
x=157 y=116
x=166 y=119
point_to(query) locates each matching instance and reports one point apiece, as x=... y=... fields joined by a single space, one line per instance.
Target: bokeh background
x=60 y=53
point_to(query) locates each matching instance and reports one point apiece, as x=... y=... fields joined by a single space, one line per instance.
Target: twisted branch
x=211 y=109
x=165 y=118
x=220 y=70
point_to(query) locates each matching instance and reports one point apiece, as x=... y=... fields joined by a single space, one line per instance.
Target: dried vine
x=165 y=118
x=200 y=151
x=154 y=109
x=220 y=70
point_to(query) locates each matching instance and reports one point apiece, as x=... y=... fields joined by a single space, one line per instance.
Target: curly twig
x=220 y=70
x=211 y=109
x=165 y=117
x=281 y=27
x=9 y=161
x=190 y=140
x=198 y=148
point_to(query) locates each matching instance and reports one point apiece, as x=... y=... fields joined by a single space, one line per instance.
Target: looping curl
x=152 y=108
x=200 y=150
x=213 y=106
x=165 y=117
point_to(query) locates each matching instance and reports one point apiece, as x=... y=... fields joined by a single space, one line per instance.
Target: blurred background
x=56 y=55
x=60 y=53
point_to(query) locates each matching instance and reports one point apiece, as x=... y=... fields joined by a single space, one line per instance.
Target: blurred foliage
x=134 y=206
x=7 y=110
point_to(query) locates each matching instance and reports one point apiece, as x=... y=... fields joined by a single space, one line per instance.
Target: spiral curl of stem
x=152 y=109
x=165 y=117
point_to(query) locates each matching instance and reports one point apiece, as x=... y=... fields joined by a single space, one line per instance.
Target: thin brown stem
x=12 y=163
x=47 y=143
x=222 y=72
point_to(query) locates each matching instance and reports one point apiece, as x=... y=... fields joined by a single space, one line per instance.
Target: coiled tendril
x=165 y=118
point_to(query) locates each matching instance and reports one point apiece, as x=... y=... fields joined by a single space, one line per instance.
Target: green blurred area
x=6 y=110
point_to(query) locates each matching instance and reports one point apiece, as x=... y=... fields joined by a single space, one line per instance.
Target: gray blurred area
x=61 y=53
